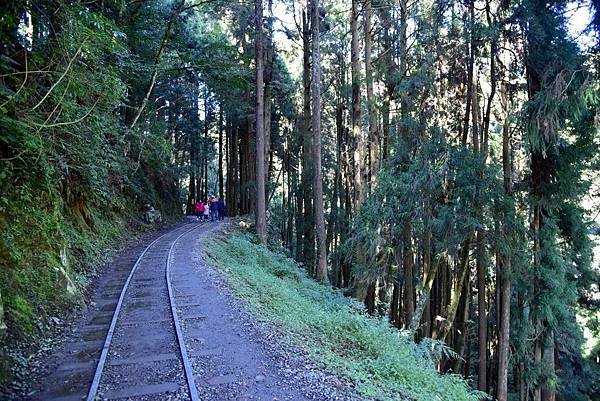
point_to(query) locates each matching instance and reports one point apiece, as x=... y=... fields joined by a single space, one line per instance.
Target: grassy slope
x=332 y=329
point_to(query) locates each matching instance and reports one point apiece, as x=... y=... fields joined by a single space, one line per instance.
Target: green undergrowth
x=48 y=257
x=330 y=328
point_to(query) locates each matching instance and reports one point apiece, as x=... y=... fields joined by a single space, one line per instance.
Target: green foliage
x=334 y=329
x=436 y=191
x=558 y=120
x=72 y=174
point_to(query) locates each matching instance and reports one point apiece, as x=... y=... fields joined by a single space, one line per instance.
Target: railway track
x=143 y=354
x=162 y=326
x=145 y=282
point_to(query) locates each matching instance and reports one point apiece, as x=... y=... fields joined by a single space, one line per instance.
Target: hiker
x=221 y=208
x=206 y=211
x=213 y=209
x=199 y=210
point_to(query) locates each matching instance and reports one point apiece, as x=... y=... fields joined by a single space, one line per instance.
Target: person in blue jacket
x=221 y=208
x=214 y=213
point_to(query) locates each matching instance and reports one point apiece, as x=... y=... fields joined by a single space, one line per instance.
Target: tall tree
x=356 y=126
x=321 y=268
x=260 y=213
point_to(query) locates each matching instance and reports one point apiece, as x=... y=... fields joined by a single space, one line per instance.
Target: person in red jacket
x=199 y=209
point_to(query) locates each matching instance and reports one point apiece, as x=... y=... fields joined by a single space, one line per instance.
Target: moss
x=330 y=328
x=21 y=311
x=47 y=256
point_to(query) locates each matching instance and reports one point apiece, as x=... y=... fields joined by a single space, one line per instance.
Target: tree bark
x=321 y=268
x=306 y=190
x=428 y=278
x=481 y=315
x=261 y=222
x=221 y=189
x=548 y=392
x=461 y=325
x=446 y=325
x=268 y=68
x=373 y=145
x=504 y=279
x=356 y=131
x=409 y=275
x=426 y=320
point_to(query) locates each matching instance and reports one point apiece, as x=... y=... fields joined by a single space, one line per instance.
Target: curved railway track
x=160 y=327
x=144 y=354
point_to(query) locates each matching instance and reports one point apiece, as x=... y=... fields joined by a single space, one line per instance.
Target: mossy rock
x=64 y=278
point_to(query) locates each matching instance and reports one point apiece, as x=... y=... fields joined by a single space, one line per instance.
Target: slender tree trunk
x=192 y=187
x=321 y=268
x=373 y=146
x=221 y=189
x=461 y=325
x=537 y=358
x=268 y=68
x=548 y=392
x=426 y=324
x=447 y=324
x=481 y=315
x=235 y=158
x=308 y=222
x=390 y=79
x=408 y=291
x=337 y=180
x=356 y=131
x=471 y=66
x=394 y=304
x=261 y=222
x=291 y=206
x=479 y=244
x=428 y=278
x=504 y=280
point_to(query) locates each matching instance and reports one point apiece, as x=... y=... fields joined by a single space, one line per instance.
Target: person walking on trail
x=213 y=209
x=221 y=208
x=206 y=211
x=199 y=210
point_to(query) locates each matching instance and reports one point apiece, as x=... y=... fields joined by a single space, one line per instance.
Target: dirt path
x=229 y=356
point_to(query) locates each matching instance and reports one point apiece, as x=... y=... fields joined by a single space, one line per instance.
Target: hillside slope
x=332 y=329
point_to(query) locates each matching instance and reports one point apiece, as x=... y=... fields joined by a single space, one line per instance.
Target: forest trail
x=227 y=358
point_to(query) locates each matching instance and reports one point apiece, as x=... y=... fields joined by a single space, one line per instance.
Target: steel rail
x=91 y=396
x=187 y=366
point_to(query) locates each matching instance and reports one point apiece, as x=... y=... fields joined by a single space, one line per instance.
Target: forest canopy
x=436 y=160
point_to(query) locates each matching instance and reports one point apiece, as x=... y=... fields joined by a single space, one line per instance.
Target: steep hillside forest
x=436 y=160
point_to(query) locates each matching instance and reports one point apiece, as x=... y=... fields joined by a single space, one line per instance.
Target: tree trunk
x=409 y=279
x=428 y=278
x=447 y=324
x=373 y=146
x=356 y=131
x=389 y=77
x=308 y=222
x=504 y=279
x=461 y=325
x=394 y=304
x=426 y=323
x=261 y=222
x=548 y=392
x=481 y=315
x=268 y=68
x=221 y=189
x=321 y=268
